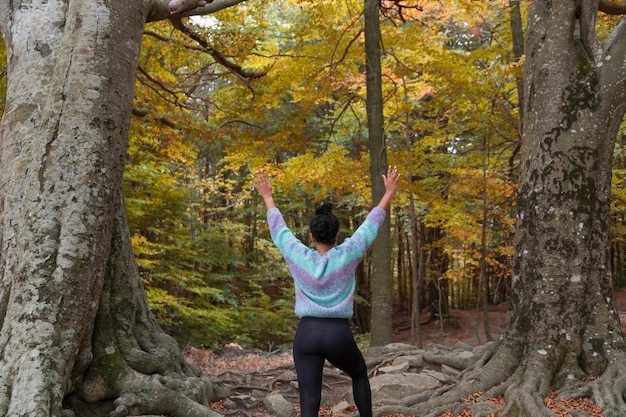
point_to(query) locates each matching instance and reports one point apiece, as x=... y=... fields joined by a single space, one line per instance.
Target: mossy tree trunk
x=563 y=319
x=563 y=329
x=76 y=333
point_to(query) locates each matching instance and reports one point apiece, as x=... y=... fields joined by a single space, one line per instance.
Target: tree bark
x=563 y=318
x=563 y=329
x=484 y=279
x=76 y=331
x=381 y=293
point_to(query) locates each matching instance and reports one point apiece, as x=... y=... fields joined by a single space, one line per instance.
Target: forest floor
x=463 y=326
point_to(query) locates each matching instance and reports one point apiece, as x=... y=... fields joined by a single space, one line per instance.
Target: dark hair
x=324 y=225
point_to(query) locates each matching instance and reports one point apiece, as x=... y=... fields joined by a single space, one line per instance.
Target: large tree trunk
x=563 y=329
x=136 y=368
x=563 y=319
x=64 y=133
x=76 y=331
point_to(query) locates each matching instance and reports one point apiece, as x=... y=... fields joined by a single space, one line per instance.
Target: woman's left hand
x=262 y=184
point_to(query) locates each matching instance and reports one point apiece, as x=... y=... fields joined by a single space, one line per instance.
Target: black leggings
x=318 y=339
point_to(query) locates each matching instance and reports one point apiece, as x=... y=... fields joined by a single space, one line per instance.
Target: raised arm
x=263 y=185
x=391 y=184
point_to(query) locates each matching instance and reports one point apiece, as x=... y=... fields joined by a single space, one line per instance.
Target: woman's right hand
x=391 y=185
x=391 y=179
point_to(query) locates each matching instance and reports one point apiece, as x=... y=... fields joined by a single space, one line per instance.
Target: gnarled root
x=609 y=389
x=534 y=387
x=488 y=370
x=135 y=368
x=524 y=385
x=157 y=395
x=527 y=389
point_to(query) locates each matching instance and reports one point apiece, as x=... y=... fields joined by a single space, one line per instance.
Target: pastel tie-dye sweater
x=324 y=283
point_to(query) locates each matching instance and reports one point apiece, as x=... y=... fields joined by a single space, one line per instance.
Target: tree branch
x=609 y=7
x=221 y=59
x=161 y=86
x=164 y=9
x=615 y=44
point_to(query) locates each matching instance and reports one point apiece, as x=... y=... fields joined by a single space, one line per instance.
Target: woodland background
x=280 y=86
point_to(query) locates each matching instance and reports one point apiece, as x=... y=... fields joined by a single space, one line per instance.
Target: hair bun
x=325 y=208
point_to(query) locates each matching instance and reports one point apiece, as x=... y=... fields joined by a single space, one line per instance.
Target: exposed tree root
x=526 y=387
x=136 y=368
x=150 y=395
x=486 y=371
x=608 y=390
x=529 y=386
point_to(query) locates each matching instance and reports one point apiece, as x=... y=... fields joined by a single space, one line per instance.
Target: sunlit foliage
x=280 y=86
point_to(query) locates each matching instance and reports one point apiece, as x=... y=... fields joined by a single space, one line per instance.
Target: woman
x=324 y=283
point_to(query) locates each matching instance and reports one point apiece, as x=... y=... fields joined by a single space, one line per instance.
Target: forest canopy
x=280 y=86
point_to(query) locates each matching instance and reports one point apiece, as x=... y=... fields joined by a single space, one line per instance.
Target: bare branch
x=398 y=7
x=158 y=36
x=242 y=121
x=221 y=59
x=162 y=87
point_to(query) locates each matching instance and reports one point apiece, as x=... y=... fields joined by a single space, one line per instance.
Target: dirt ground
x=468 y=325
x=463 y=326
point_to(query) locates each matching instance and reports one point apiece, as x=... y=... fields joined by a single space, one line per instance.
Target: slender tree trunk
x=399 y=296
x=617 y=252
x=415 y=249
x=517 y=37
x=421 y=264
x=417 y=265
x=381 y=249
x=484 y=279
